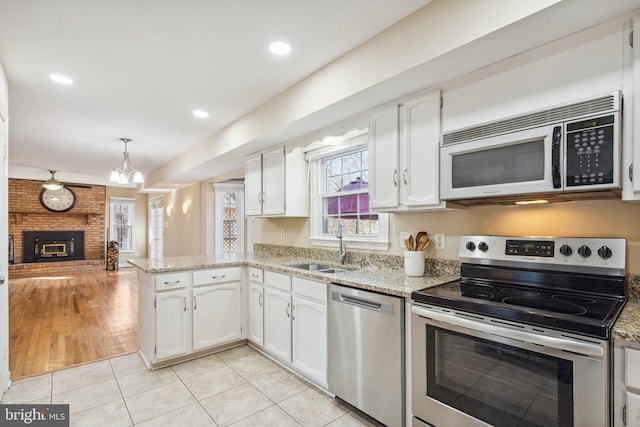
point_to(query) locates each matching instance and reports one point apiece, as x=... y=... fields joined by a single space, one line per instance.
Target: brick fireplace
x=27 y=215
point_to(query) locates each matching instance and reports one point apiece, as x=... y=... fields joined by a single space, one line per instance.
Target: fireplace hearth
x=52 y=246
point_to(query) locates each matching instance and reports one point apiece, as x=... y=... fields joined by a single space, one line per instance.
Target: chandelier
x=126 y=173
x=52 y=184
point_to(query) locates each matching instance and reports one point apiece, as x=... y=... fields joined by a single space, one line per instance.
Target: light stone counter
x=627 y=326
x=391 y=281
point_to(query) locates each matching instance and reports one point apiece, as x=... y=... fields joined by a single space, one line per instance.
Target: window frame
x=132 y=219
x=318 y=179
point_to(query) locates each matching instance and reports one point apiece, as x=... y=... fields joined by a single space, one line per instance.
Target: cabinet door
x=277 y=323
x=633 y=409
x=253 y=185
x=310 y=339
x=216 y=314
x=273 y=182
x=383 y=159
x=256 y=313
x=419 y=151
x=172 y=323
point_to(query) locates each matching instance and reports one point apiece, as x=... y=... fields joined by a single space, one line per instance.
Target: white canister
x=414 y=263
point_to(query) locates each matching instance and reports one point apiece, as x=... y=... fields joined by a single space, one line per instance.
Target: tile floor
x=238 y=387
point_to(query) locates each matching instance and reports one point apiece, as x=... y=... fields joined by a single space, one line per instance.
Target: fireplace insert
x=52 y=246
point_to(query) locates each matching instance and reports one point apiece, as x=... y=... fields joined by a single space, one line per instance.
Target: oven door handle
x=553 y=342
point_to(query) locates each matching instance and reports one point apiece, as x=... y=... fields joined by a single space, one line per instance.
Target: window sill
x=350 y=244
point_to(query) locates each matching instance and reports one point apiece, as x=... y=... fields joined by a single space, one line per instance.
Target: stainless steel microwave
x=567 y=149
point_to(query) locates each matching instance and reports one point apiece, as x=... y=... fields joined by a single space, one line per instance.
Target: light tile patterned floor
x=238 y=387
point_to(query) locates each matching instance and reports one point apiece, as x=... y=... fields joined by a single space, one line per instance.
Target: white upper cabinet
x=419 y=151
x=276 y=183
x=631 y=134
x=253 y=185
x=273 y=182
x=384 y=153
x=403 y=156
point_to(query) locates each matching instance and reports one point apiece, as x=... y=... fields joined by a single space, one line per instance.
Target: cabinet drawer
x=218 y=275
x=256 y=275
x=277 y=280
x=310 y=289
x=172 y=281
x=632 y=367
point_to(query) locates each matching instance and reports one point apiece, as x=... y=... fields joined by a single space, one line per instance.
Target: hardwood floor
x=66 y=320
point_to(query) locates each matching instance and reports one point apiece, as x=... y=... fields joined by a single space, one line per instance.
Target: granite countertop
x=389 y=281
x=627 y=326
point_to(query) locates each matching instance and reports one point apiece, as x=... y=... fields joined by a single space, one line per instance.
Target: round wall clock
x=60 y=200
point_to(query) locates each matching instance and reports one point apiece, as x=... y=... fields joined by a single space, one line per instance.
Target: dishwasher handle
x=386 y=308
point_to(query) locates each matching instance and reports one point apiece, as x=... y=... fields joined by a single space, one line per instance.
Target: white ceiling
x=141 y=67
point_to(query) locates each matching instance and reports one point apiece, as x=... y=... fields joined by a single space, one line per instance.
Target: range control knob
x=605 y=252
x=584 y=251
x=483 y=246
x=470 y=246
x=566 y=250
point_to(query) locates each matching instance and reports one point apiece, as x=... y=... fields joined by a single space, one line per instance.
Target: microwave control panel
x=590 y=152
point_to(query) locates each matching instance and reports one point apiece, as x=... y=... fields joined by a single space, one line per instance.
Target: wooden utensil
x=423 y=242
x=410 y=244
x=407 y=244
x=418 y=237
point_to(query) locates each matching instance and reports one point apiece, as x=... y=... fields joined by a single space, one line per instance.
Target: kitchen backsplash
x=434 y=267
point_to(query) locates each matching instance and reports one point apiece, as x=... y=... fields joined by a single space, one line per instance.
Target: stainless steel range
x=523 y=338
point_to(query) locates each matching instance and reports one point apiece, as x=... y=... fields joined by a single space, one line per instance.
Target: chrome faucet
x=342 y=251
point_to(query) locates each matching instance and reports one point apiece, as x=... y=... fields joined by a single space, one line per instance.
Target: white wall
x=583 y=65
x=183 y=234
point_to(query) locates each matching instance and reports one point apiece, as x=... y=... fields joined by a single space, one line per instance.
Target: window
x=229 y=218
x=122 y=222
x=341 y=198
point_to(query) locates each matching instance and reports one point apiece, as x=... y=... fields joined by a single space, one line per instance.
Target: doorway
x=156 y=227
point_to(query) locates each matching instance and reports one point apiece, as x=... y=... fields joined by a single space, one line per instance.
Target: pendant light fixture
x=126 y=173
x=52 y=184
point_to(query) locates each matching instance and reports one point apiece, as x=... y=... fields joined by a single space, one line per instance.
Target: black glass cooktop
x=587 y=314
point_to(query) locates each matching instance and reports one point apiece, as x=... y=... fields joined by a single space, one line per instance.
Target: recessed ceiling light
x=280 y=48
x=200 y=113
x=59 y=78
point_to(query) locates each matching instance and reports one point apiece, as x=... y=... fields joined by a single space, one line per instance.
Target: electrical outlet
x=282 y=235
x=439 y=241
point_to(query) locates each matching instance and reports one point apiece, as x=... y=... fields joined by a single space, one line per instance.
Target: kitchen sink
x=318 y=268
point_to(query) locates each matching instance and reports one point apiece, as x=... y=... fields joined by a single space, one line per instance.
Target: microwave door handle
x=555 y=156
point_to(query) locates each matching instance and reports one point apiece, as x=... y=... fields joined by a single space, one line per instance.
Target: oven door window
x=499 y=384
x=522 y=162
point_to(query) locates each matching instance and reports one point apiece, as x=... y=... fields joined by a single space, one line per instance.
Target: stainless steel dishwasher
x=366 y=352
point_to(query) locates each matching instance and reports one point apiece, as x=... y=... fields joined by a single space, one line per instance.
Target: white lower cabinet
x=186 y=312
x=171 y=323
x=277 y=323
x=216 y=315
x=295 y=324
x=310 y=338
x=256 y=307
